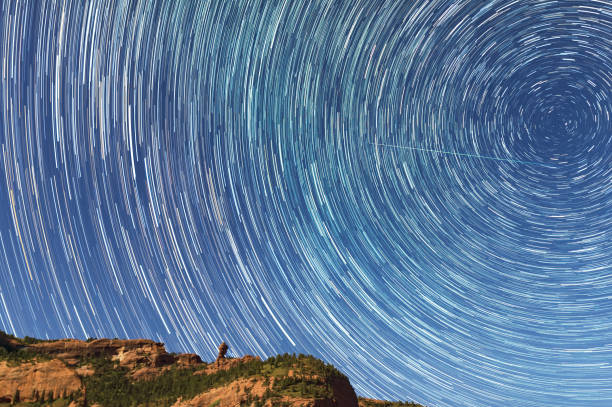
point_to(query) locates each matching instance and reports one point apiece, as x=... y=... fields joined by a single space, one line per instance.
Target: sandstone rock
x=84 y=371
x=129 y=353
x=188 y=359
x=235 y=394
x=67 y=348
x=222 y=351
x=50 y=376
x=225 y=364
x=162 y=359
x=146 y=373
x=146 y=360
x=226 y=396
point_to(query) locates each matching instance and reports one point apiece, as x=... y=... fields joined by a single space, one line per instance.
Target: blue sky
x=417 y=192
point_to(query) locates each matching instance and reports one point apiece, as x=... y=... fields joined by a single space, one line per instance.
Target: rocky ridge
x=140 y=372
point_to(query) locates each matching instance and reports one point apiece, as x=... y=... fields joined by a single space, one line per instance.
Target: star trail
x=419 y=192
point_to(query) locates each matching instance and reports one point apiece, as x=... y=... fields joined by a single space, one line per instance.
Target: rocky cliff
x=115 y=373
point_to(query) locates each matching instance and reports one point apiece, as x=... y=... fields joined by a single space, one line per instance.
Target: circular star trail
x=417 y=192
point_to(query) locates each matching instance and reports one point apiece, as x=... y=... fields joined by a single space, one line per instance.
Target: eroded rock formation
x=31 y=379
x=222 y=351
x=79 y=372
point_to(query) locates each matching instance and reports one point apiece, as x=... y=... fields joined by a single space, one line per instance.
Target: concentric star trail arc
x=205 y=171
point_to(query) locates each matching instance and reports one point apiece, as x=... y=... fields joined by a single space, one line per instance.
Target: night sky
x=419 y=192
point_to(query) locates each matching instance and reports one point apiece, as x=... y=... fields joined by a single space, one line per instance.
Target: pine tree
x=16 y=397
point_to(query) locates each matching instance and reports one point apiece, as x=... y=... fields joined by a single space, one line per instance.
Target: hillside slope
x=117 y=373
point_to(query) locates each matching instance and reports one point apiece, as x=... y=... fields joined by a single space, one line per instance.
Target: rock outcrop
x=240 y=391
x=222 y=351
x=29 y=379
x=90 y=373
x=129 y=353
x=62 y=375
x=226 y=364
x=231 y=395
x=188 y=359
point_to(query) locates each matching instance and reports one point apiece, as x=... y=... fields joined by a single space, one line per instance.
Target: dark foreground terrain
x=116 y=373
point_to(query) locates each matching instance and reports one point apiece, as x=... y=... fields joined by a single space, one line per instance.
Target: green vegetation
x=369 y=403
x=19 y=356
x=112 y=386
x=28 y=340
x=284 y=375
x=302 y=387
x=12 y=350
x=5 y=338
x=61 y=402
x=7 y=341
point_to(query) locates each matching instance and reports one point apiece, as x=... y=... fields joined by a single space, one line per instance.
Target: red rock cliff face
x=50 y=376
x=99 y=347
x=60 y=376
x=64 y=373
x=129 y=353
